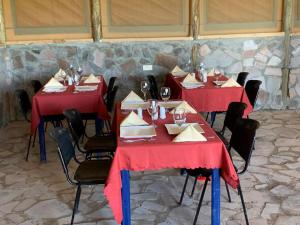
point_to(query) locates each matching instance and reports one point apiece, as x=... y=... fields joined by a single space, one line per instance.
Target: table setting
x=148 y=140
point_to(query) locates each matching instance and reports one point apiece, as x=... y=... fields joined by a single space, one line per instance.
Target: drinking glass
x=145 y=87
x=179 y=116
x=153 y=109
x=217 y=74
x=165 y=93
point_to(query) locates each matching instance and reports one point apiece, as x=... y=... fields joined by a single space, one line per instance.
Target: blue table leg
x=126 y=197
x=98 y=125
x=42 y=141
x=212 y=117
x=215 y=195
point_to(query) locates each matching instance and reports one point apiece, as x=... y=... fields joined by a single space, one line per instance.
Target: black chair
x=252 y=88
x=234 y=111
x=25 y=106
x=153 y=87
x=109 y=102
x=111 y=84
x=89 y=172
x=36 y=85
x=241 y=78
x=95 y=144
x=242 y=141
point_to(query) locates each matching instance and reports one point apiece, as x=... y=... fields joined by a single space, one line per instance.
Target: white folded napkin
x=177 y=69
x=133 y=120
x=190 y=78
x=132 y=97
x=189 y=134
x=231 y=83
x=187 y=108
x=53 y=83
x=91 y=79
x=211 y=73
x=61 y=74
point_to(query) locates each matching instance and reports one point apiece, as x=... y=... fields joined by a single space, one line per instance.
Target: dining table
x=161 y=152
x=48 y=104
x=208 y=97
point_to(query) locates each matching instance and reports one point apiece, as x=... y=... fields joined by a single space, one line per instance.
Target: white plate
x=175 y=129
x=86 y=88
x=179 y=74
x=134 y=105
x=219 y=82
x=169 y=104
x=137 y=132
x=192 y=85
x=54 y=89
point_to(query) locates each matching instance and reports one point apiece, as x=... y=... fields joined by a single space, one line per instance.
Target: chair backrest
x=252 y=88
x=75 y=124
x=65 y=148
x=241 y=78
x=153 y=87
x=111 y=84
x=36 y=85
x=234 y=111
x=111 y=98
x=24 y=102
x=242 y=139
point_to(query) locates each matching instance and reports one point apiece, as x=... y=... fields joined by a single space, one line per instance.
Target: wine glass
x=153 y=109
x=188 y=66
x=179 y=116
x=165 y=93
x=217 y=74
x=145 y=87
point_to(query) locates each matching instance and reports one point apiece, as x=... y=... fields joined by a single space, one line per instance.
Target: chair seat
x=199 y=172
x=101 y=143
x=92 y=171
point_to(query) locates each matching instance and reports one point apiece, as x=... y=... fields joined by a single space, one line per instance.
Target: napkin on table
x=91 y=79
x=231 y=83
x=53 y=83
x=211 y=73
x=189 y=134
x=133 y=120
x=61 y=74
x=190 y=78
x=132 y=97
x=177 y=69
x=187 y=108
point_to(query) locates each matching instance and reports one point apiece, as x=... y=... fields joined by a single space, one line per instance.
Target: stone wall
x=262 y=57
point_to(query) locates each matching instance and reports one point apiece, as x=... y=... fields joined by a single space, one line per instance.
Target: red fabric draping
x=163 y=153
x=208 y=98
x=45 y=104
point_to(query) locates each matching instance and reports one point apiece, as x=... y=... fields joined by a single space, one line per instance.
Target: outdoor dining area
x=147 y=112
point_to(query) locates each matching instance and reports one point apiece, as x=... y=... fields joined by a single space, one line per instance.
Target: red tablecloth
x=163 y=153
x=45 y=104
x=208 y=98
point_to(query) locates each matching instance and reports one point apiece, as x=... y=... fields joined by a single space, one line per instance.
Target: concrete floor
x=35 y=193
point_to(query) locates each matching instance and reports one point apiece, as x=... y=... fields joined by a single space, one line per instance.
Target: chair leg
x=200 y=202
x=34 y=137
x=183 y=190
x=76 y=203
x=228 y=193
x=243 y=203
x=28 y=147
x=194 y=185
x=207 y=116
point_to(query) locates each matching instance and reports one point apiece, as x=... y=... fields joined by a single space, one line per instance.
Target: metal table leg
x=215 y=195
x=126 y=197
x=42 y=141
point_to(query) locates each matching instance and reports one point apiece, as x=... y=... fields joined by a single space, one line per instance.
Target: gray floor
x=35 y=193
